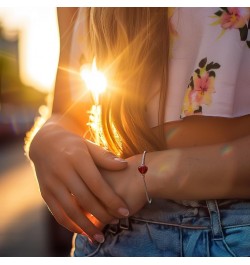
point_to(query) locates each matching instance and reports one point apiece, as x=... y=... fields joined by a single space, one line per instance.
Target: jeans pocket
x=237 y=239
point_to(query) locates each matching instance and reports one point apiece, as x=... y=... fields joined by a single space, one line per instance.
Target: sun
x=94 y=79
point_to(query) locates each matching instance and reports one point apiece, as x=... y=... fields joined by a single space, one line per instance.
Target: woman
x=178 y=89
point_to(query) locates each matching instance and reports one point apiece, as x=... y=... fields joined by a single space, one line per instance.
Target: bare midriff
x=201 y=130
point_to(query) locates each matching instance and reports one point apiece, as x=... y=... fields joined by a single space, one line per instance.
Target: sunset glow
x=95 y=80
x=38 y=43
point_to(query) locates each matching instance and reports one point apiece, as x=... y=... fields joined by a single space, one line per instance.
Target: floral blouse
x=209 y=64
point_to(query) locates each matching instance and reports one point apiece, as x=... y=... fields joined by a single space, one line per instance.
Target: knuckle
x=82 y=200
x=69 y=152
x=107 y=154
x=72 y=213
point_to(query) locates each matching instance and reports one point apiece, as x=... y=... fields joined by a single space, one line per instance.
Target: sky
x=38 y=43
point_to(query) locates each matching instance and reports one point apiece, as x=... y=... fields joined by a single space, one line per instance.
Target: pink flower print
x=234 y=18
x=201 y=83
x=200 y=88
x=195 y=99
x=201 y=94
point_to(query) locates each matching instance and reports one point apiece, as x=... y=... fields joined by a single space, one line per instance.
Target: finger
x=61 y=217
x=99 y=187
x=104 y=158
x=75 y=213
x=84 y=197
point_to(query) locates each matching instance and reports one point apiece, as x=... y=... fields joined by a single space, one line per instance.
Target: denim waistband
x=196 y=214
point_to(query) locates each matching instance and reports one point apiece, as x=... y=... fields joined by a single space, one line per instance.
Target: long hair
x=131 y=46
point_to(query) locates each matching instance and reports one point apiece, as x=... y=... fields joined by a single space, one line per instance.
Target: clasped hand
x=84 y=186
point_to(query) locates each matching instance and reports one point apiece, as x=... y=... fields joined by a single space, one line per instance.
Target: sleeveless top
x=209 y=63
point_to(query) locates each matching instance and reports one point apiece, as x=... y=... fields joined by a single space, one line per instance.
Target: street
x=25 y=222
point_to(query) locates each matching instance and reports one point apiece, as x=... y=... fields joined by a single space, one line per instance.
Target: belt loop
x=125 y=224
x=114 y=229
x=215 y=219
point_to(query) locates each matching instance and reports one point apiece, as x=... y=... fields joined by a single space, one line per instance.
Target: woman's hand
x=71 y=184
x=128 y=184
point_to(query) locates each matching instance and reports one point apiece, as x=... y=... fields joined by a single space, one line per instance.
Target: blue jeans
x=213 y=228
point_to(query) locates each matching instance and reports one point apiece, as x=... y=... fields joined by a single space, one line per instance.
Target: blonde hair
x=131 y=46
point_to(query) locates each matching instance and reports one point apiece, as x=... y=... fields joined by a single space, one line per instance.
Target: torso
x=213 y=108
x=190 y=46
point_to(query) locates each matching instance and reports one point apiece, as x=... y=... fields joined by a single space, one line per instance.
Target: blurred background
x=29 y=48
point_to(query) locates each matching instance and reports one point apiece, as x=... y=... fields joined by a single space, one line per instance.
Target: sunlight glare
x=38 y=43
x=95 y=80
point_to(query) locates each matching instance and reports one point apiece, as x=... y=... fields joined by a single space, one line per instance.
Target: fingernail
x=120 y=159
x=114 y=222
x=99 y=238
x=123 y=211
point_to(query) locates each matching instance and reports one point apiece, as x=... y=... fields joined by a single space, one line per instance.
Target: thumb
x=104 y=158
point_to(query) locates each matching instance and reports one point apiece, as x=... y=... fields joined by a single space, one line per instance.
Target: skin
x=74 y=168
x=194 y=167
x=85 y=187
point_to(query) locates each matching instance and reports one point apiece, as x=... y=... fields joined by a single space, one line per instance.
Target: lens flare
x=226 y=150
x=95 y=80
x=171 y=133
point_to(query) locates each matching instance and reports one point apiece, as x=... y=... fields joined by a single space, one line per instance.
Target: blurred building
x=18 y=103
x=19 y=106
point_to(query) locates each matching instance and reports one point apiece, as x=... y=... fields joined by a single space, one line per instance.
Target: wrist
x=143 y=169
x=137 y=179
x=164 y=169
x=64 y=122
x=40 y=135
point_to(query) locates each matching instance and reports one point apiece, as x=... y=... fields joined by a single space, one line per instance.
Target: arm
x=65 y=163
x=72 y=118
x=220 y=171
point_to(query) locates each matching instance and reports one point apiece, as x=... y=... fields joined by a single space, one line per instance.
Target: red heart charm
x=143 y=169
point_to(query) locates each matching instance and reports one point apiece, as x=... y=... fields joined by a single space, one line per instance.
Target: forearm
x=66 y=20
x=67 y=113
x=207 y=172
x=66 y=123
x=70 y=113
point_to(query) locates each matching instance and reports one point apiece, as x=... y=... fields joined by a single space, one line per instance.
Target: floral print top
x=209 y=62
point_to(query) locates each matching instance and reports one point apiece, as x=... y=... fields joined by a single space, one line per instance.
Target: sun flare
x=94 y=79
x=96 y=83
